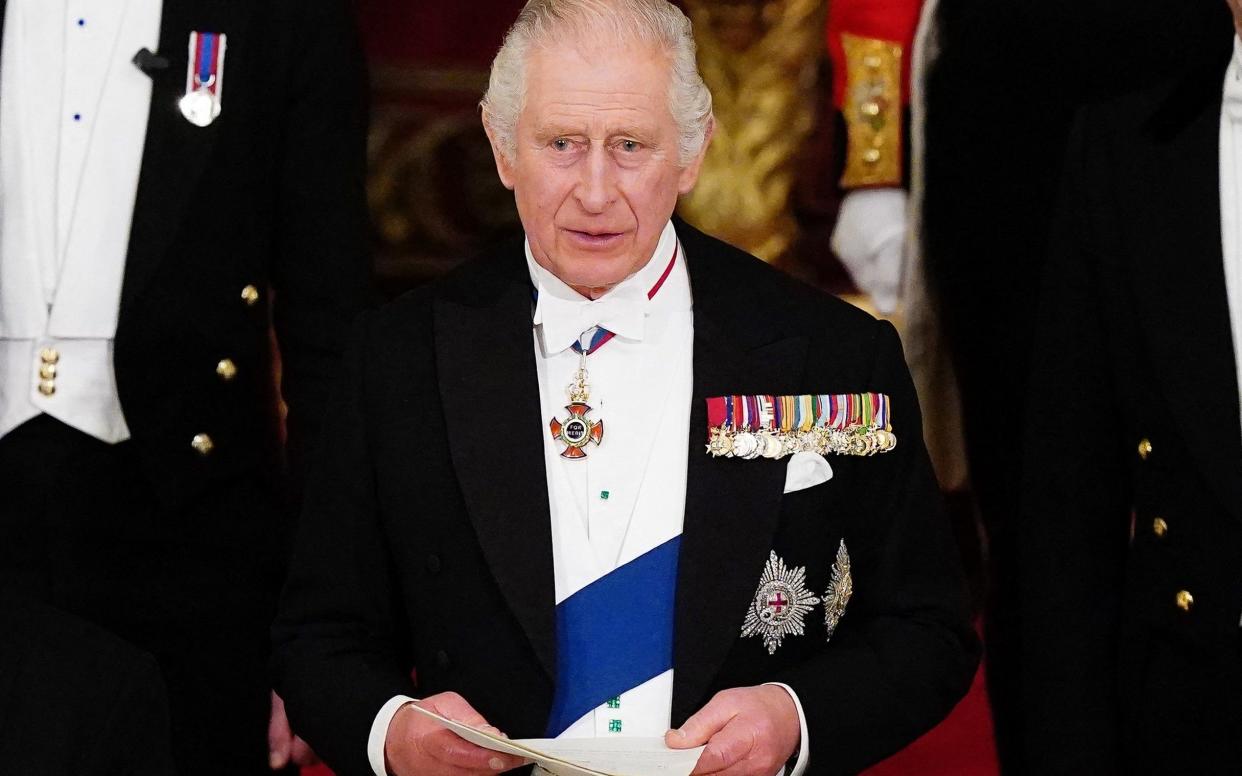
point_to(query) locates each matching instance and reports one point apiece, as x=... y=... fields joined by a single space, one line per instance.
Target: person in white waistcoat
x=176 y=177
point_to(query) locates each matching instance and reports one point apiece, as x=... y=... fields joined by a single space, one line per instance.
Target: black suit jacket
x=426 y=540
x=270 y=195
x=991 y=180
x=75 y=700
x=1134 y=343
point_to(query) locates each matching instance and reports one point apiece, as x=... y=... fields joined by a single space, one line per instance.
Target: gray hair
x=657 y=22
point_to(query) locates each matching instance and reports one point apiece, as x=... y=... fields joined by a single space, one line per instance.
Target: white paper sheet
x=584 y=756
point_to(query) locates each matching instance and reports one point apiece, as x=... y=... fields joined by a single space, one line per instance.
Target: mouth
x=593 y=238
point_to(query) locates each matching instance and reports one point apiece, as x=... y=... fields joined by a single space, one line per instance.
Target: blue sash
x=614 y=634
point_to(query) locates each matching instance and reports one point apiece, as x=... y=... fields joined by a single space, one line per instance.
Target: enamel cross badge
x=577 y=431
x=780 y=604
x=840 y=589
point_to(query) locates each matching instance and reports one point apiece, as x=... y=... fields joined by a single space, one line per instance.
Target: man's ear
x=504 y=167
x=690 y=174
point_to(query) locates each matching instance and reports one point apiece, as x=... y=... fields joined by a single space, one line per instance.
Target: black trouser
x=194 y=585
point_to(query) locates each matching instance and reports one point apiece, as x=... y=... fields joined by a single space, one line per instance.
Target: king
x=606 y=596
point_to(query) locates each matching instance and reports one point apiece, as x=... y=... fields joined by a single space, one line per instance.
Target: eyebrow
x=550 y=131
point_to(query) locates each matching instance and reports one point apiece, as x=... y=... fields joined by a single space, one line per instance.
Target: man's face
x=1236 y=7
x=595 y=172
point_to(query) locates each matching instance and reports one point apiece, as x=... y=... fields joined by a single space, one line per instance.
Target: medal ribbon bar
x=777 y=426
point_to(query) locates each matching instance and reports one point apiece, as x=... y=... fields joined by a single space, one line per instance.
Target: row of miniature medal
x=769 y=426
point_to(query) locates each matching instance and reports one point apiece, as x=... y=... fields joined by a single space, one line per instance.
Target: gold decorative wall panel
x=761 y=59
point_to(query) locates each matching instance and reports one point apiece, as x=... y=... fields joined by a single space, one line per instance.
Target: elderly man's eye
x=630 y=146
x=561 y=144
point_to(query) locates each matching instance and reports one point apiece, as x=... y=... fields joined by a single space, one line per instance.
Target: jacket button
x=1159 y=527
x=1185 y=601
x=226 y=369
x=250 y=295
x=442 y=660
x=47 y=387
x=1144 y=448
x=49 y=355
x=433 y=563
x=202 y=444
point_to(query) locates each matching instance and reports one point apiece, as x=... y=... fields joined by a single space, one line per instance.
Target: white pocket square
x=805 y=470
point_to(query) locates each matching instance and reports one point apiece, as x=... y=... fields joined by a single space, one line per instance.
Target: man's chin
x=594 y=270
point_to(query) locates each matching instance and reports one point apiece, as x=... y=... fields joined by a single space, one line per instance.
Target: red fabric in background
x=401 y=32
x=962 y=745
x=892 y=20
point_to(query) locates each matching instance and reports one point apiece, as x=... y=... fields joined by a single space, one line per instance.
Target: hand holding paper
x=749 y=731
x=573 y=756
x=418 y=745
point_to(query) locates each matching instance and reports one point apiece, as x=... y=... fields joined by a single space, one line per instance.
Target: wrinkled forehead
x=585 y=74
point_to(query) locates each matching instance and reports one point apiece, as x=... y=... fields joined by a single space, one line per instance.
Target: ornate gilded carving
x=872 y=112
x=431 y=185
x=761 y=59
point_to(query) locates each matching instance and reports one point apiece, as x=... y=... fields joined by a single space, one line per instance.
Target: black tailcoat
x=1133 y=344
x=426 y=542
x=75 y=700
x=270 y=195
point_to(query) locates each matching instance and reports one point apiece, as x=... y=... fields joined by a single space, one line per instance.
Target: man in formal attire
x=76 y=700
x=1130 y=540
x=993 y=90
x=175 y=176
x=542 y=503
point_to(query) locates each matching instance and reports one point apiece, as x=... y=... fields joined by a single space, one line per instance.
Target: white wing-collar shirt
x=73 y=122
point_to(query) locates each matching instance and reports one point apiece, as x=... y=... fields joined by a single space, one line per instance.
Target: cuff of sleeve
x=379 y=731
x=804 y=745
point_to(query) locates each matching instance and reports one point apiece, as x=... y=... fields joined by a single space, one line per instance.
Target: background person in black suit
x=144 y=259
x=1130 y=537
x=1001 y=95
x=76 y=700
x=444 y=528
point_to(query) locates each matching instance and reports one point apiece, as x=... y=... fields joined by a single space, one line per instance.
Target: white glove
x=870 y=239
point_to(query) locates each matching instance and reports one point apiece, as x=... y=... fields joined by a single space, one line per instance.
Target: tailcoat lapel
x=490 y=392
x=732 y=506
x=176 y=152
x=1179 y=278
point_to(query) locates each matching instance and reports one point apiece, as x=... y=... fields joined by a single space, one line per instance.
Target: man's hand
x=283 y=746
x=749 y=731
x=417 y=746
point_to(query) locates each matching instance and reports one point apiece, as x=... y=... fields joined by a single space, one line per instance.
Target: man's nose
x=596 y=189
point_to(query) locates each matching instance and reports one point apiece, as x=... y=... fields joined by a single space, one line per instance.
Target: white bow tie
x=622 y=311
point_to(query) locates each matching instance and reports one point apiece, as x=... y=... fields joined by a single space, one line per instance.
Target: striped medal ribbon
x=576 y=431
